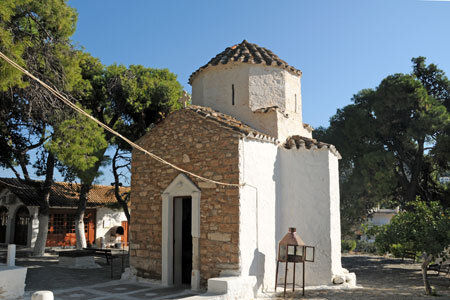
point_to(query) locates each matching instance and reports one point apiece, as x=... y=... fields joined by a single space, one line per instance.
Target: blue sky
x=341 y=46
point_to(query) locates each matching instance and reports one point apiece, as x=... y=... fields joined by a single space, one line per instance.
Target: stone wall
x=203 y=147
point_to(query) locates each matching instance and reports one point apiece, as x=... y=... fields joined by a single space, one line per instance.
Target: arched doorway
x=181 y=210
x=21 y=226
x=3 y=223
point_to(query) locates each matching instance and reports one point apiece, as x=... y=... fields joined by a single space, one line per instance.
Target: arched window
x=21 y=226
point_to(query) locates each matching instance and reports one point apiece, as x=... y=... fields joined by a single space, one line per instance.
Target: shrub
x=397 y=250
x=366 y=247
x=348 y=245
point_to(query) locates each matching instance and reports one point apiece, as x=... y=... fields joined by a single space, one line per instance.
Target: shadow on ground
x=382 y=278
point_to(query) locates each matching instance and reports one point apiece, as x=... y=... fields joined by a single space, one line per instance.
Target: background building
x=19 y=210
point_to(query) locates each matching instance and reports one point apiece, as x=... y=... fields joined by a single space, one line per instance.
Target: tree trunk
x=416 y=171
x=79 y=216
x=117 y=184
x=125 y=210
x=426 y=261
x=44 y=208
x=41 y=239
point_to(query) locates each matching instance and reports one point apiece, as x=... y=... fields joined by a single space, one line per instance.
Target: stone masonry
x=201 y=146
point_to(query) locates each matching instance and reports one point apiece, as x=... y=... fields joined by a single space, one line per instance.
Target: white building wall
x=213 y=88
x=12 y=203
x=257 y=211
x=293 y=94
x=267 y=87
x=290 y=125
x=335 y=214
x=106 y=219
x=381 y=218
x=288 y=188
x=308 y=199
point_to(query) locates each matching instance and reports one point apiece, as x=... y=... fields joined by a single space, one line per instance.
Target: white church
x=244 y=126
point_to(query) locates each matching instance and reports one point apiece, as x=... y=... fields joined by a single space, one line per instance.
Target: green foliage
x=36 y=35
x=348 y=245
x=394 y=141
x=425 y=229
x=77 y=143
x=397 y=250
x=139 y=97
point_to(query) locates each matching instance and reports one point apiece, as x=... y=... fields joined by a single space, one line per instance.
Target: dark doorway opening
x=182 y=219
x=3 y=223
x=186 y=262
x=21 y=226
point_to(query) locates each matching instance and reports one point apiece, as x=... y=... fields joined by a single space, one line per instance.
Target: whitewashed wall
x=293 y=91
x=257 y=211
x=288 y=188
x=308 y=193
x=106 y=219
x=267 y=87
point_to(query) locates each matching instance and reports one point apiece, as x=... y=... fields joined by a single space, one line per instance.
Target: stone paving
x=378 y=277
x=79 y=284
x=123 y=290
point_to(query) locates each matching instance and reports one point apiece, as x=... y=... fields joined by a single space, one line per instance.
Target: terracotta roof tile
x=307 y=143
x=246 y=52
x=63 y=194
x=308 y=127
x=229 y=122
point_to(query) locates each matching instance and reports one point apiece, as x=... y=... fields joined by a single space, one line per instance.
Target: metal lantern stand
x=291 y=249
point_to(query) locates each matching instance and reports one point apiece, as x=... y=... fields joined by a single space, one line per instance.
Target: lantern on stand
x=291 y=249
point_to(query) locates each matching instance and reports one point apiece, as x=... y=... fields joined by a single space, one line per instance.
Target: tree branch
x=10 y=166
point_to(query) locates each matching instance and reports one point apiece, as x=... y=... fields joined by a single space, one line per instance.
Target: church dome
x=249 y=53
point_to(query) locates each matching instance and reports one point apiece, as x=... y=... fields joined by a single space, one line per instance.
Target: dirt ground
x=382 y=278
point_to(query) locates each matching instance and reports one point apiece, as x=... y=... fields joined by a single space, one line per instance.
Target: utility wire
x=58 y=95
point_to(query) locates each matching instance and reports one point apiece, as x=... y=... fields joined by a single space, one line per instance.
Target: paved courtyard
x=380 y=278
x=79 y=284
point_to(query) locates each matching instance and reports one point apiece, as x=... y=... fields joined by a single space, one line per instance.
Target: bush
x=397 y=250
x=348 y=245
x=366 y=247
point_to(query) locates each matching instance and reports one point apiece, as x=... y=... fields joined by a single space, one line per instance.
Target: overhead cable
x=66 y=101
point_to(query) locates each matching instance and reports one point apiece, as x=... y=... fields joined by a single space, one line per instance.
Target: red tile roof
x=229 y=122
x=63 y=194
x=297 y=141
x=246 y=52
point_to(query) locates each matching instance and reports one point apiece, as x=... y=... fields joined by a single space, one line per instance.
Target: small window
x=295 y=102
x=232 y=94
